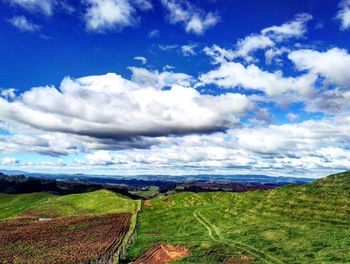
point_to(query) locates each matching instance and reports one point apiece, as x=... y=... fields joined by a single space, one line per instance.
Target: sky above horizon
x=175 y=86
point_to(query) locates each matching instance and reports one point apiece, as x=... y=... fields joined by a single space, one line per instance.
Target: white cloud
x=168 y=47
x=153 y=33
x=9 y=93
x=307 y=149
x=189 y=50
x=292 y=29
x=61 y=162
x=344 y=14
x=143 y=60
x=144 y=5
x=103 y=15
x=23 y=24
x=244 y=49
x=100 y=157
x=273 y=54
x=43 y=6
x=168 y=68
x=267 y=39
x=8 y=161
x=292 y=116
x=251 y=77
x=332 y=64
x=199 y=24
x=250 y=44
x=194 y=19
x=109 y=106
x=159 y=80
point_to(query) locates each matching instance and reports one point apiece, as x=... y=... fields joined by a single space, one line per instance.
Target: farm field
x=45 y=228
x=290 y=224
x=61 y=240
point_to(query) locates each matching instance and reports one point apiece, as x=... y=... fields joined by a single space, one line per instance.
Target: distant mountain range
x=154 y=179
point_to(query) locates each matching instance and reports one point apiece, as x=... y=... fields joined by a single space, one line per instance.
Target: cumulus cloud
x=23 y=24
x=332 y=64
x=292 y=29
x=334 y=78
x=344 y=14
x=42 y=6
x=23 y=138
x=234 y=74
x=290 y=149
x=110 y=106
x=194 y=19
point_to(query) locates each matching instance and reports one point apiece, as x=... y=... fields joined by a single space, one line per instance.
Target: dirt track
x=162 y=254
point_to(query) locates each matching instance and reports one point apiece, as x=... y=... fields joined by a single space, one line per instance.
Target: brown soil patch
x=162 y=254
x=147 y=203
x=61 y=240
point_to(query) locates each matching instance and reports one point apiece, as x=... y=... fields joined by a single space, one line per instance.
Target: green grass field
x=290 y=224
x=12 y=204
x=48 y=205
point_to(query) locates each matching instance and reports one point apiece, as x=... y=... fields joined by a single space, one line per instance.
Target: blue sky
x=175 y=86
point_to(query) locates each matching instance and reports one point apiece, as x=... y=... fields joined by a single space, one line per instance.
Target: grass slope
x=11 y=204
x=290 y=224
x=47 y=205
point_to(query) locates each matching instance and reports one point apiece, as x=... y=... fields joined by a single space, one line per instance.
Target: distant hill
x=142 y=186
x=164 y=180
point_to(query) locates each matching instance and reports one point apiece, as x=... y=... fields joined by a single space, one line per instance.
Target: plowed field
x=61 y=240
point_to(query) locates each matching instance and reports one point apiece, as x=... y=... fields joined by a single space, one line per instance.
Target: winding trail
x=215 y=235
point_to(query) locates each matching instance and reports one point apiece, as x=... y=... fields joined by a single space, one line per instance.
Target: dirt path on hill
x=215 y=235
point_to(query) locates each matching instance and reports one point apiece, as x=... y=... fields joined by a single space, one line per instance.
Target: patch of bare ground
x=61 y=240
x=162 y=254
x=147 y=203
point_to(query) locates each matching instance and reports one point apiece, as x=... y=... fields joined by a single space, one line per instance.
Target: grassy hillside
x=291 y=224
x=47 y=205
x=11 y=204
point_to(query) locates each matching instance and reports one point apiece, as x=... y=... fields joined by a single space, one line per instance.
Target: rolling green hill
x=11 y=204
x=48 y=205
x=290 y=224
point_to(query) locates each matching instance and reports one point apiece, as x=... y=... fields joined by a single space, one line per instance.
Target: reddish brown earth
x=61 y=240
x=162 y=254
x=147 y=203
